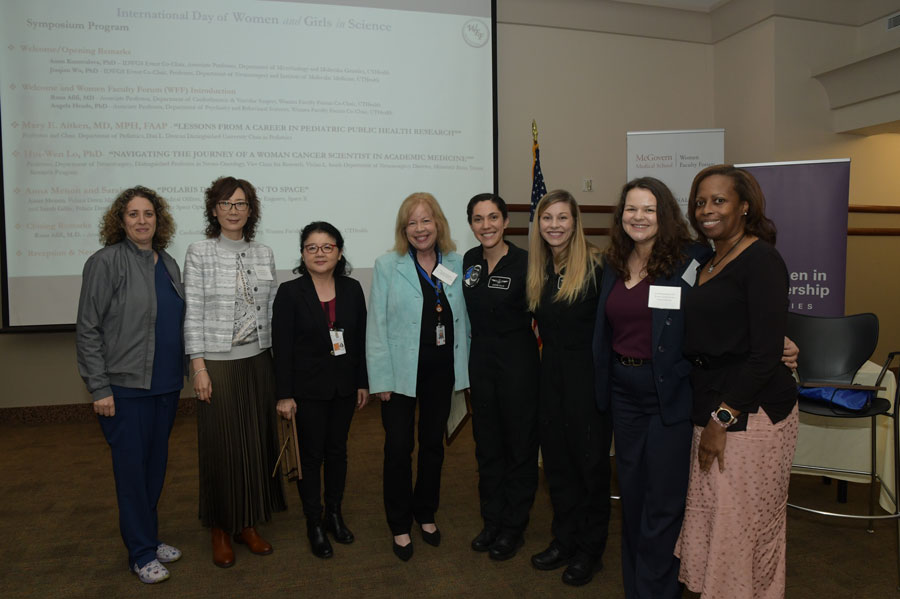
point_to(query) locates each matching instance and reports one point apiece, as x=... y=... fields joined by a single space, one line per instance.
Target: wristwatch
x=723 y=417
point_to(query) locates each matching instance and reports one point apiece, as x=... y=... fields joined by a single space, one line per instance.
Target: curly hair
x=748 y=190
x=444 y=243
x=320 y=226
x=220 y=191
x=671 y=238
x=112 y=228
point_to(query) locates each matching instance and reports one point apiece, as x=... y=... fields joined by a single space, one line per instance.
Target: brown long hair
x=671 y=238
x=748 y=190
x=578 y=259
x=112 y=229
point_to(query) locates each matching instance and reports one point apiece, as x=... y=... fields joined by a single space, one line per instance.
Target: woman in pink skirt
x=732 y=542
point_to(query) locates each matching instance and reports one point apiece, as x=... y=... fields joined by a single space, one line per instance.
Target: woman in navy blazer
x=318 y=337
x=417 y=352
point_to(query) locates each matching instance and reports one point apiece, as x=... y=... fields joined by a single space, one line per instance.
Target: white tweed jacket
x=210 y=277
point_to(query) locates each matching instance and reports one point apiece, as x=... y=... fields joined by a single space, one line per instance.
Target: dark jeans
x=434 y=387
x=653 y=464
x=138 y=437
x=323 y=427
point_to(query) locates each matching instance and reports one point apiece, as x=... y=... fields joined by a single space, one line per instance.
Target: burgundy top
x=631 y=320
x=330 y=308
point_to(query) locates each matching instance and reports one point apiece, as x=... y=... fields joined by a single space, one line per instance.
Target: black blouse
x=734 y=328
x=430 y=316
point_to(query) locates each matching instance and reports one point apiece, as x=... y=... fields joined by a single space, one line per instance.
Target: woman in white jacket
x=230 y=285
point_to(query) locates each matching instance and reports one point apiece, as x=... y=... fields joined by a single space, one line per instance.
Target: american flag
x=538 y=189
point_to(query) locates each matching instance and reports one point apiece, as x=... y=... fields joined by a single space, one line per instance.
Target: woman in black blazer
x=318 y=336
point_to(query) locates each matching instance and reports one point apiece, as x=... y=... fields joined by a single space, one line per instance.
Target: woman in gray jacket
x=230 y=284
x=131 y=357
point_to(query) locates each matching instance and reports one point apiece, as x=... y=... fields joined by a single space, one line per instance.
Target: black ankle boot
x=334 y=523
x=318 y=542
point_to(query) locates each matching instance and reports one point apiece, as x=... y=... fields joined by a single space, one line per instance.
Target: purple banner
x=808 y=202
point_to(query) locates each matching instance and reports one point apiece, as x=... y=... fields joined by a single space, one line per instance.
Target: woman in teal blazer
x=417 y=351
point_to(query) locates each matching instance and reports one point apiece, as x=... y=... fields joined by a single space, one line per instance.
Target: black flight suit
x=575 y=436
x=503 y=377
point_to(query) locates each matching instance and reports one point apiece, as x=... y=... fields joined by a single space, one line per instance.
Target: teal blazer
x=395 y=320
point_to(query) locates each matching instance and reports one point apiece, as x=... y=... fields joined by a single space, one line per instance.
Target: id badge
x=337 y=342
x=440 y=335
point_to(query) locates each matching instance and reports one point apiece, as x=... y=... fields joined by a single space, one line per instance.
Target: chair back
x=832 y=348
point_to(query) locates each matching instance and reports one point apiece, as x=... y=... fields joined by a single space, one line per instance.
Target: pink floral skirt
x=732 y=542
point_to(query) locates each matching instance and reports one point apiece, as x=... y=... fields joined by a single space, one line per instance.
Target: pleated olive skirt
x=237 y=441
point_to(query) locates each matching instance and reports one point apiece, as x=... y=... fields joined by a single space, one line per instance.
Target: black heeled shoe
x=432 y=538
x=318 y=542
x=403 y=552
x=334 y=523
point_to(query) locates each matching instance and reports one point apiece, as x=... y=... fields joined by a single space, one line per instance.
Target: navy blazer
x=305 y=365
x=670 y=368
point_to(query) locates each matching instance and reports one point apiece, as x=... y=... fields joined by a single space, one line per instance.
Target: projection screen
x=334 y=111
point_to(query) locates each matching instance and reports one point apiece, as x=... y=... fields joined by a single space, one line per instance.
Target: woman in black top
x=318 y=336
x=732 y=541
x=503 y=374
x=563 y=289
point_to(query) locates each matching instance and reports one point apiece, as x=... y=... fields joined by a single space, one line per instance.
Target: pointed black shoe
x=318 y=542
x=581 y=569
x=550 y=558
x=404 y=553
x=334 y=523
x=485 y=538
x=432 y=538
x=506 y=546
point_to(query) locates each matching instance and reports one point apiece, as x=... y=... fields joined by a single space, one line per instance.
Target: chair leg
x=872 y=479
x=842 y=491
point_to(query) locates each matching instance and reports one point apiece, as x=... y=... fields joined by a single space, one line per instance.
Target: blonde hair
x=578 y=259
x=401 y=243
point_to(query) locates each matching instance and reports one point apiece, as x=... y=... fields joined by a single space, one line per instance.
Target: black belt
x=633 y=362
x=708 y=362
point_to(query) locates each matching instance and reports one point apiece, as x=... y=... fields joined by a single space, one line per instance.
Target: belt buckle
x=629 y=361
x=699 y=362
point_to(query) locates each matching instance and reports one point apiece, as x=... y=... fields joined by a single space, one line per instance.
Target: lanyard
x=438 y=287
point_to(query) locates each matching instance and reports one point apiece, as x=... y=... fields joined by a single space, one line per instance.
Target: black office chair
x=832 y=349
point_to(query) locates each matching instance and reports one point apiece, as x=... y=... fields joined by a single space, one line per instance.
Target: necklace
x=714 y=264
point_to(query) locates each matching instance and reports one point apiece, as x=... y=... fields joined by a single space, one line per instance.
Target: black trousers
x=434 y=387
x=323 y=427
x=575 y=439
x=503 y=374
x=653 y=465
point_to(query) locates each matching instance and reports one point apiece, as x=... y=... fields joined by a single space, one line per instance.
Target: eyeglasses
x=312 y=248
x=239 y=206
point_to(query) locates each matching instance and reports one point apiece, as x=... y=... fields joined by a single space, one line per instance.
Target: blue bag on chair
x=849 y=399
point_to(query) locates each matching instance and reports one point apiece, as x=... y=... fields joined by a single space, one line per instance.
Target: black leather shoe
x=334 y=523
x=485 y=538
x=404 y=553
x=550 y=558
x=318 y=542
x=506 y=546
x=581 y=569
x=432 y=538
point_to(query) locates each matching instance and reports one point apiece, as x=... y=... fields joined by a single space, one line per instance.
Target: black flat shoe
x=334 y=523
x=404 y=553
x=485 y=538
x=506 y=546
x=318 y=542
x=432 y=538
x=581 y=569
x=550 y=558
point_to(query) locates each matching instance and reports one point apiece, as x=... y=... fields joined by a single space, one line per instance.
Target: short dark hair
x=487 y=197
x=746 y=186
x=320 y=226
x=222 y=189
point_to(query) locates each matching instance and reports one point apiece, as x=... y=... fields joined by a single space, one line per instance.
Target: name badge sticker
x=690 y=275
x=337 y=342
x=499 y=282
x=263 y=273
x=443 y=273
x=666 y=298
